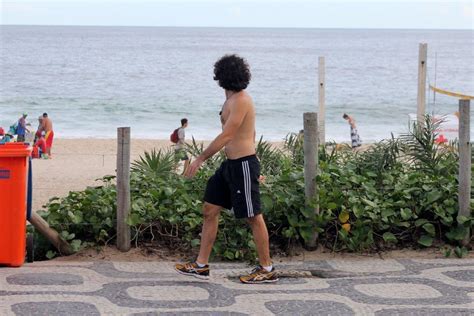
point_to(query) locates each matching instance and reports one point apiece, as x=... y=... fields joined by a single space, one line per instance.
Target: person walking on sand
x=235 y=184
x=21 y=128
x=47 y=128
x=180 y=151
x=355 y=138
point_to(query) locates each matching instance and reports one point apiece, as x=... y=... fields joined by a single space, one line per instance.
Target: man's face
x=185 y=125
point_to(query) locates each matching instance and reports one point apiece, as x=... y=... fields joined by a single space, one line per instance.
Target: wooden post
x=421 y=99
x=311 y=145
x=464 y=197
x=321 y=97
x=52 y=235
x=123 y=188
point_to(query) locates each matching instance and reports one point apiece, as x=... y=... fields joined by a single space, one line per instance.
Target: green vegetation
x=400 y=192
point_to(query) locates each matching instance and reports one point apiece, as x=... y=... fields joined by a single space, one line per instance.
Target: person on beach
x=39 y=147
x=355 y=138
x=2 y=134
x=21 y=128
x=8 y=136
x=39 y=130
x=235 y=185
x=47 y=128
x=180 y=151
x=12 y=131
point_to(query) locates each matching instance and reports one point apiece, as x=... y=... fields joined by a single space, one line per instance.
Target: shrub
x=400 y=192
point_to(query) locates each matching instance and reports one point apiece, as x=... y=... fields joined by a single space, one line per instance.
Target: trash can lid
x=15 y=150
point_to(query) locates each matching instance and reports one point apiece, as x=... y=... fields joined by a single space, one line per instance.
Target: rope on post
x=452 y=94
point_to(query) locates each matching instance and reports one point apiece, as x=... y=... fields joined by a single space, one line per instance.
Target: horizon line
x=245 y=27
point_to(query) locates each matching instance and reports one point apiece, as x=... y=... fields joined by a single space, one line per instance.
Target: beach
x=77 y=163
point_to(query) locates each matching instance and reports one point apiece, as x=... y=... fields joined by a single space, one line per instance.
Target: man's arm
x=232 y=125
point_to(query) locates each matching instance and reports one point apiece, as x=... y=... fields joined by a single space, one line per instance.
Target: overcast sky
x=441 y=14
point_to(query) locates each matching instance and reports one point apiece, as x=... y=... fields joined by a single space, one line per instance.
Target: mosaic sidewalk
x=369 y=287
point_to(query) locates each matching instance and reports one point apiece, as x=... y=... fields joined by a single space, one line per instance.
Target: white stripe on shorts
x=247 y=188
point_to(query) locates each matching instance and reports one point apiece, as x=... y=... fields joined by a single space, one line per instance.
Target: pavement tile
x=362 y=287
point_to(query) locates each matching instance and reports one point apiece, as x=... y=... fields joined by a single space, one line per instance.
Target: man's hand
x=193 y=167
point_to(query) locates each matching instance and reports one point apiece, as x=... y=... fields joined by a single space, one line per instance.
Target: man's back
x=47 y=124
x=181 y=138
x=243 y=141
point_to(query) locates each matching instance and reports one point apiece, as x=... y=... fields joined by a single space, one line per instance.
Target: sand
x=77 y=163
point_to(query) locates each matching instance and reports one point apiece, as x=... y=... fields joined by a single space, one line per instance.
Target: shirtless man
x=235 y=184
x=47 y=128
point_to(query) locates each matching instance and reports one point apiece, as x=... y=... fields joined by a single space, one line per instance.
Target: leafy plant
x=155 y=162
x=401 y=192
x=294 y=146
x=421 y=149
x=460 y=252
x=269 y=156
x=446 y=251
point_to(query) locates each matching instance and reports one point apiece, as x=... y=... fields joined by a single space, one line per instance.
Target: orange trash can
x=13 y=197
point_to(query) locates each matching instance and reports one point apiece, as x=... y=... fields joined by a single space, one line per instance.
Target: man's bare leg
x=211 y=214
x=260 y=236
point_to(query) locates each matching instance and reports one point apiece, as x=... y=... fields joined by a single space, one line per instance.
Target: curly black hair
x=232 y=72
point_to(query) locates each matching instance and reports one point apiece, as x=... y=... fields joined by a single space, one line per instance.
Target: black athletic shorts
x=235 y=186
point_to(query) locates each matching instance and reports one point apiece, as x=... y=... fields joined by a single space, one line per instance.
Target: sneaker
x=260 y=275
x=192 y=269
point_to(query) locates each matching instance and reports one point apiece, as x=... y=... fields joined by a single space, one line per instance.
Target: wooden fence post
x=421 y=99
x=311 y=145
x=321 y=97
x=123 y=188
x=464 y=163
x=52 y=235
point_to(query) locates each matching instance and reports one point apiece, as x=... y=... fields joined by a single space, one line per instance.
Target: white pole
x=322 y=111
x=421 y=99
x=464 y=195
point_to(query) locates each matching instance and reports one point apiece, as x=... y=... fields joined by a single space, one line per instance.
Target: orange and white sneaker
x=192 y=269
x=260 y=275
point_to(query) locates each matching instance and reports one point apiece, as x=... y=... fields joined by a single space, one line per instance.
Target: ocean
x=91 y=80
